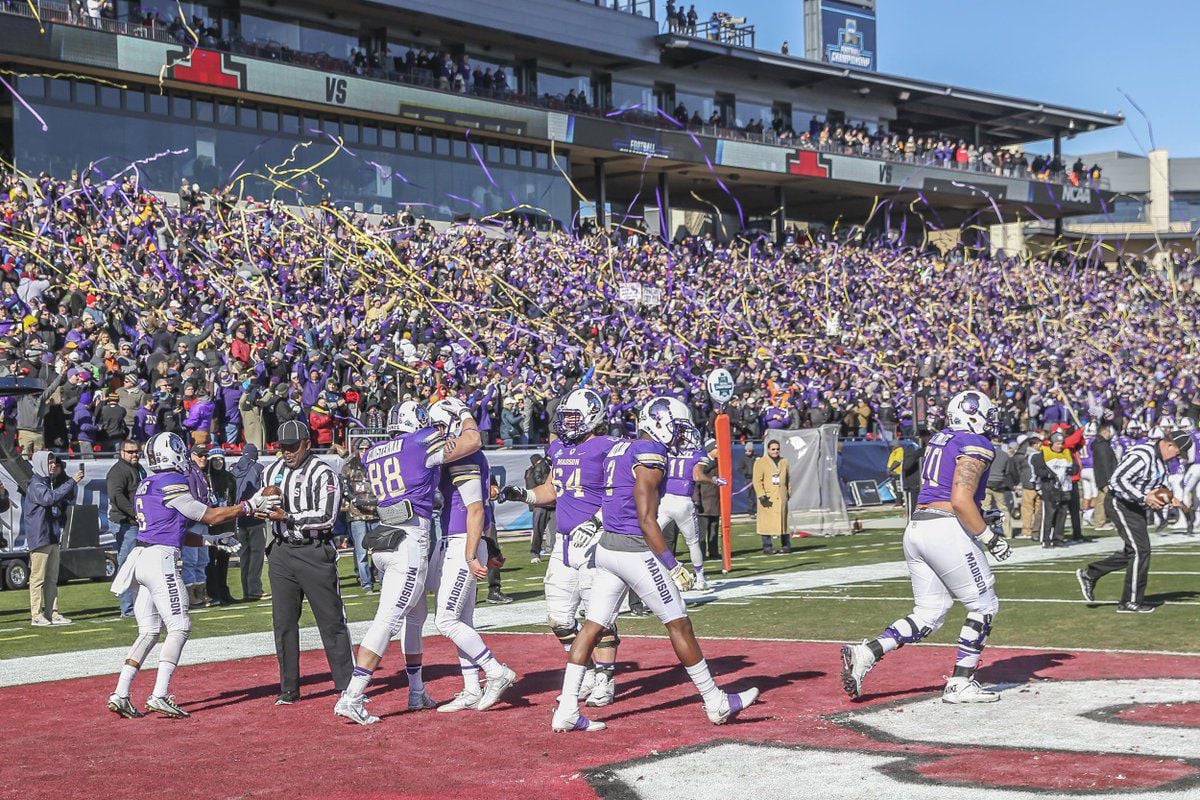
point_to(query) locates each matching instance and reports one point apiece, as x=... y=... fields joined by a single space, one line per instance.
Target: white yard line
x=103 y=661
x=908 y=599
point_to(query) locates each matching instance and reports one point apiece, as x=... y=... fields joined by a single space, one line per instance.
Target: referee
x=303 y=560
x=1133 y=491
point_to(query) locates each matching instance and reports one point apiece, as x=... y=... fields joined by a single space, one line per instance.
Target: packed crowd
x=223 y=320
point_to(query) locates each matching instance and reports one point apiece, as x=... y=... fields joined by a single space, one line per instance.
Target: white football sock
x=470 y=674
x=416 y=679
x=572 y=680
x=125 y=680
x=705 y=684
x=162 y=684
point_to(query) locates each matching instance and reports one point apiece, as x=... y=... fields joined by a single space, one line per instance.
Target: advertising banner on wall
x=848 y=35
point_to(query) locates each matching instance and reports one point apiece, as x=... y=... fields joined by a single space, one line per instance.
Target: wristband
x=247 y=510
x=668 y=559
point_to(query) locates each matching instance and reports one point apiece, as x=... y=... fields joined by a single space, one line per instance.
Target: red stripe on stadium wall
x=808 y=162
x=208 y=67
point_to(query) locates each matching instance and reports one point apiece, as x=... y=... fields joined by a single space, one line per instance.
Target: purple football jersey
x=937 y=467
x=577 y=472
x=158 y=523
x=396 y=469
x=1085 y=454
x=618 y=508
x=454 y=511
x=680 y=468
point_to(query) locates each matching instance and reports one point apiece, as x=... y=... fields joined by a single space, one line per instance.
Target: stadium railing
x=57 y=12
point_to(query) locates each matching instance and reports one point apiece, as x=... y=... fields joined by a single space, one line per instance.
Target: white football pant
x=640 y=572
x=682 y=511
x=402 y=605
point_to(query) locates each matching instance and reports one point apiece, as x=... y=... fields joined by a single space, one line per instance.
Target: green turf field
x=1040 y=602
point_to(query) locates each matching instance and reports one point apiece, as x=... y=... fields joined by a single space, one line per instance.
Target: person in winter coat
x=224 y=489
x=110 y=420
x=253 y=427
x=229 y=395
x=83 y=424
x=43 y=513
x=510 y=421
x=199 y=419
x=251 y=531
x=773 y=488
x=145 y=420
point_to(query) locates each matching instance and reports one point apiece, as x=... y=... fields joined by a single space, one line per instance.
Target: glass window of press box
x=439 y=170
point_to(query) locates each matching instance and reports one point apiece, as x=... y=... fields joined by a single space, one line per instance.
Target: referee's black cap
x=293 y=431
x=1182 y=440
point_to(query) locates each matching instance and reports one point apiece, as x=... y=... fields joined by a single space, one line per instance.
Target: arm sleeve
x=187 y=505
x=325 y=488
x=435 y=453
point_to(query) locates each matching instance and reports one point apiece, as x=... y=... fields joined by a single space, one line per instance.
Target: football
x=1163 y=494
x=272 y=491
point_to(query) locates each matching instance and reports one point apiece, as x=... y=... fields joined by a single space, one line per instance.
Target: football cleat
x=463 y=699
x=564 y=723
x=495 y=687
x=857 y=660
x=166 y=705
x=731 y=705
x=967 y=690
x=354 y=709
x=1086 y=585
x=419 y=701
x=287 y=698
x=603 y=691
x=121 y=705
x=701 y=585
x=1135 y=608
x=589 y=682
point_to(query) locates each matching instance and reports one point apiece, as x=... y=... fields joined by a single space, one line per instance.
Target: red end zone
x=238 y=744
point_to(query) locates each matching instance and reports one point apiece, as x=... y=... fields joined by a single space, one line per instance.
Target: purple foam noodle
x=483 y=166
x=25 y=103
x=463 y=200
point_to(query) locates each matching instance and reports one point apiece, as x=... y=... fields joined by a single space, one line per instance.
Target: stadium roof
x=921 y=105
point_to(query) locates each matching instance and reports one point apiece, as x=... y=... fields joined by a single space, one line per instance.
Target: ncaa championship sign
x=720 y=386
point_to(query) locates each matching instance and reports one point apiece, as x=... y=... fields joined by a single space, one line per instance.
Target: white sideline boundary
x=108 y=660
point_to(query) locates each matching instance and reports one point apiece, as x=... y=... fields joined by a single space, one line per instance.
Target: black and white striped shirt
x=1140 y=469
x=312 y=495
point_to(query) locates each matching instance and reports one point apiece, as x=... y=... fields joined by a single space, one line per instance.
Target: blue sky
x=1064 y=51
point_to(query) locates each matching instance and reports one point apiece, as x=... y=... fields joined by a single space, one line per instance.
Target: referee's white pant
x=402 y=604
x=1134 y=558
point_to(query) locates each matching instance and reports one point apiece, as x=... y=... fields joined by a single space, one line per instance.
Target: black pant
x=254 y=543
x=216 y=575
x=910 y=498
x=1130 y=522
x=1054 y=517
x=1075 y=511
x=308 y=571
x=544 y=519
x=710 y=536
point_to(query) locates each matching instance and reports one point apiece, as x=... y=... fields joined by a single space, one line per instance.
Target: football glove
x=263 y=503
x=719 y=481
x=765 y=501
x=229 y=544
x=996 y=544
x=585 y=534
x=683 y=577
x=516 y=493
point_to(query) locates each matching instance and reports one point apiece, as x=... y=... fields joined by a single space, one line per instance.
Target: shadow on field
x=1167 y=597
x=1023 y=668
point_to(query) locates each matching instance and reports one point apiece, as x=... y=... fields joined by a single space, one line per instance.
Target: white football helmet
x=690 y=439
x=1157 y=432
x=1187 y=424
x=1167 y=423
x=447 y=415
x=972 y=411
x=166 y=452
x=1133 y=428
x=579 y=413
x=665 y=420
x=407 y=417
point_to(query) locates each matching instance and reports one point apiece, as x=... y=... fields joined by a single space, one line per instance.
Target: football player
x=1087 y=474
x=165 y=508
x=944 y=545
x=687 y=465
x=460 y=560
x=631 y=555
x=404 y=473
x=576 y=485
x=1191 y=478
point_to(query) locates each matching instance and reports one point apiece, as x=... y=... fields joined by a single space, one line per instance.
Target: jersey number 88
x=386 y=478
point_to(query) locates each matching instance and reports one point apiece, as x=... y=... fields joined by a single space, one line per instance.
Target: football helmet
x=690 y=438
x=972 y=411
x=579 y=413
x=407 y=417
x=166 y=452
x=447 y=415
x=1187 y=424
x=665 y=420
